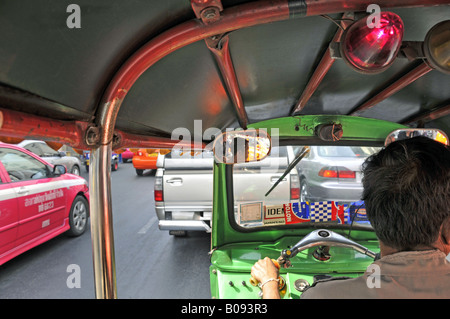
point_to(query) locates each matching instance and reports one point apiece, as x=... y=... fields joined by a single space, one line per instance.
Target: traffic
x=38 y=201
x=61 y=268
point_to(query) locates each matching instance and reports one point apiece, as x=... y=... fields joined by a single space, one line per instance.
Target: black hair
x=407 y=192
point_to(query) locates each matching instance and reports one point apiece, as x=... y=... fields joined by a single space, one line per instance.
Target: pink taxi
x=38 y=201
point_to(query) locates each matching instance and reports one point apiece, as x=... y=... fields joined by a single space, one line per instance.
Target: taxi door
x=41 y=199
x=9 y=217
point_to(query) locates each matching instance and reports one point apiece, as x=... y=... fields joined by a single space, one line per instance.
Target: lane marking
x=147 y=226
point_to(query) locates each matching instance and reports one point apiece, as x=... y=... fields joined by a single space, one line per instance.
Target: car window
x=194 y=154
x=33 y=148
x=41 y=149
x=47 y=150
x=21 y=166
x=179 y=159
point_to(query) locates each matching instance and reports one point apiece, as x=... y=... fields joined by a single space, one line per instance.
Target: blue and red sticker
x=316 y=212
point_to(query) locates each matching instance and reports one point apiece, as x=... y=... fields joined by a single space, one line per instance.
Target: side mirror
x=403 y=134
x=59 y=169
x=242 y=146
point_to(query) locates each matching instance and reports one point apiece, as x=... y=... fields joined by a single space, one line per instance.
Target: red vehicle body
x=37 y=202
x=145 y=160
x=127 y=155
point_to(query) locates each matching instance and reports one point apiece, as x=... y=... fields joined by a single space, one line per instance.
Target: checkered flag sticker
x=328 y=211
x=321 y=212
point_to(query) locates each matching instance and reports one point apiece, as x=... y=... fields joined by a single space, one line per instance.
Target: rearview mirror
x=403 y=134
x=242 y=146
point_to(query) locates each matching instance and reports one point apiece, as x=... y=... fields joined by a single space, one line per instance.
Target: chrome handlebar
x=322 y=237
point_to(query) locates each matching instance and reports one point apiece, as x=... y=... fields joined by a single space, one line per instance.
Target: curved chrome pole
x=102 y=223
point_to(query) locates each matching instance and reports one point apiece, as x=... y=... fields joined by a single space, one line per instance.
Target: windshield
x=324 y=187
x=41 y=149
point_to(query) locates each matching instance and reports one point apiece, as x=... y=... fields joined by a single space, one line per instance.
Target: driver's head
x=407 y=192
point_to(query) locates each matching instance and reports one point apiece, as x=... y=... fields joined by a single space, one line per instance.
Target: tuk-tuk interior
x=108 y=75
x=311 y=239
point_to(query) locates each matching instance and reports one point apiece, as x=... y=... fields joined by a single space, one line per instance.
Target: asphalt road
x=150 y=264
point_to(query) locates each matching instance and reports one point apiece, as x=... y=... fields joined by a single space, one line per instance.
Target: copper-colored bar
x=319 y=73
x=221 y=52
x=142 y=141
x=27 y=126
x=393 y=88
x=430 y=116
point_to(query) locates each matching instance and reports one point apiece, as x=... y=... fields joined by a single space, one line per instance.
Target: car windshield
x=41 y=149
x=47 y=150
x=324 y=187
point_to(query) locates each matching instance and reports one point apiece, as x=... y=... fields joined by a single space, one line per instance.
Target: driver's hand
x=264 y=269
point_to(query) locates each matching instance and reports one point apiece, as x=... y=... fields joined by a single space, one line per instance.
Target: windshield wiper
x=297 y=159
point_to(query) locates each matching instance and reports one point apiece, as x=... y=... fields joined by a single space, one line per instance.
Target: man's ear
x=444 y=235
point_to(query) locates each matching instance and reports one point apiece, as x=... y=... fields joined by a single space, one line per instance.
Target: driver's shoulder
x=336 y=288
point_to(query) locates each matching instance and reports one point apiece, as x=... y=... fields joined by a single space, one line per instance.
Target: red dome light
x=372 y=50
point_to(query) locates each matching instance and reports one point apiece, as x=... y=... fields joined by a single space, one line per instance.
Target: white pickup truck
x=184 y=187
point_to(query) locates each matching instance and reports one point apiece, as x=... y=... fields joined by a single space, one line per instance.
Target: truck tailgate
x=188 y=189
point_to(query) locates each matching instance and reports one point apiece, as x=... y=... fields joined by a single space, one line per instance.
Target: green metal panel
x=231 y=265
x=355 y=128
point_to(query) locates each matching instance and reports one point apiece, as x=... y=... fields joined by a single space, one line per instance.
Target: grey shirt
x=411 y=274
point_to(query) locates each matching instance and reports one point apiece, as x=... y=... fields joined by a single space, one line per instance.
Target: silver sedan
x=41 y=149
x=333 y=173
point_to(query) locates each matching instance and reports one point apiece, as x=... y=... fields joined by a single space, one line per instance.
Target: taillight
x=159 y=197
x=372 y=49
x=346 y=174
x=139 y=153
x=295 y=187
x=336 y=172
x=295 y=193
x=328 y=173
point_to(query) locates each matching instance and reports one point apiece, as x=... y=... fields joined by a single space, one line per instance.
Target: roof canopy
x=160 y=65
